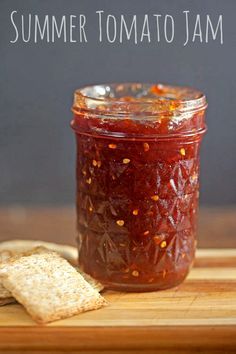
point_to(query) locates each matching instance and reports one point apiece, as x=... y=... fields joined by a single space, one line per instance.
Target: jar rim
x=138 y=98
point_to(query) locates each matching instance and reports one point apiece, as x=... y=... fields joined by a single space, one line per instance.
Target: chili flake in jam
x=137 y=182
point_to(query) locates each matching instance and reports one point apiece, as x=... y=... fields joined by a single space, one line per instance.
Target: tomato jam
x=137 y=182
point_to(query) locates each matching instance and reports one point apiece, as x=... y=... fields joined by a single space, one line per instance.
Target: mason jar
x=137 y=174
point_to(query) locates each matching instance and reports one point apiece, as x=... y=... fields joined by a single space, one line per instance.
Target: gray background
x=37 y=149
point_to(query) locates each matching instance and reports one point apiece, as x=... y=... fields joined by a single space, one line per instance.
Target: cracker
x=5 y=255
x=48 y=286
x=93 y=282
x=18 y=246
x=4 y=293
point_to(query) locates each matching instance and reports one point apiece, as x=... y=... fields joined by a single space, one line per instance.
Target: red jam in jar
x=137 y=182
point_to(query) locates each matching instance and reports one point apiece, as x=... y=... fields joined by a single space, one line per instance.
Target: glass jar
x=137 y=182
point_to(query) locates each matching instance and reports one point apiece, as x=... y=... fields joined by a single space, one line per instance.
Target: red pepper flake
x=182 y=152
x=146 y=233
x=112 y=146
x=120 y=222
x=94 y=163
x=155 y=198
x=126 y=161
x=157 y=89
x=126 y=270
x=90 y=209
x=146 y=147
x=135 y=273
x=172 y=106
x=99 y=164
x=163 y=244
x=89 y=180
x=135 y=212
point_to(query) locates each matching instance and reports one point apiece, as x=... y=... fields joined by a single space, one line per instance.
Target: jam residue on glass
x=137 y=182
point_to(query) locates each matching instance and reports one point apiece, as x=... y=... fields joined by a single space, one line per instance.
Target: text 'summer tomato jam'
x=137 y=182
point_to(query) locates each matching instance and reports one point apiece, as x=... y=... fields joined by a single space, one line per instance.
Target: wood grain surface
x=197 y=317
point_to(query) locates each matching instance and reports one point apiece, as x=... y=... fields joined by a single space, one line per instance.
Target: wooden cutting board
x=197 y=317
